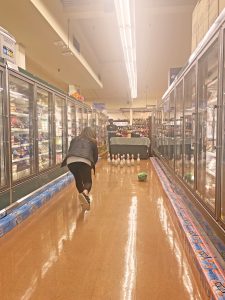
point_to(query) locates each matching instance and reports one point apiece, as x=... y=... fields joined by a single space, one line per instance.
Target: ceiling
x=163 y=40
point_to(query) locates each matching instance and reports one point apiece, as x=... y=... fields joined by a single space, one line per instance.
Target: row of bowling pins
x=118 y=160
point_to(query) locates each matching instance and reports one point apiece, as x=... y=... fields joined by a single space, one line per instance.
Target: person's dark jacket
x=82 y=147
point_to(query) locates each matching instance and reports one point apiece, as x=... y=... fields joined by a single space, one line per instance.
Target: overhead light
x=126 y=23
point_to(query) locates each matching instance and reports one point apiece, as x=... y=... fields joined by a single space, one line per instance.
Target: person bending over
x=81 y=158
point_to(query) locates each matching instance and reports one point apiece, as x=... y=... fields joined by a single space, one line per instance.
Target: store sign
x=121 y=123
x=99 y=106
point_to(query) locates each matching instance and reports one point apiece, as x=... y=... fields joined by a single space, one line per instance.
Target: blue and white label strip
x=209 y=266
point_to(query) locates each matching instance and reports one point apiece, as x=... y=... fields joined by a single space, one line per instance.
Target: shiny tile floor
x=125 y=248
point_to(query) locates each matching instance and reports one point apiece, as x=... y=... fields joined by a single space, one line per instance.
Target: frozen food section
x=37 y=123
x=22 y=128
x=189 y=127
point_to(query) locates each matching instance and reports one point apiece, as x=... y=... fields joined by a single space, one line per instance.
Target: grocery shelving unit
x=37 y=124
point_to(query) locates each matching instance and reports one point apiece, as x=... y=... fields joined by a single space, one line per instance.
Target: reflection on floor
x=126 y=247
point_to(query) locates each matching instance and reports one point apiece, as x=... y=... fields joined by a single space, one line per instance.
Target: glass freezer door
x=45 y=155
x=2 y=146
x=89 y=118
x=207 y=126
x=178 y=130
x=85 y=118
x=59 y=128
x=79 y=120
x=22 y=134
x=71 y=121
x=189 y=127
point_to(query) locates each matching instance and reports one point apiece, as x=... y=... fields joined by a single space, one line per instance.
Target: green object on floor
x=189 y=177
x=142 y=176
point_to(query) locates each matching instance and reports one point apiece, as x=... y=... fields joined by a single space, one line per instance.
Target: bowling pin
x=132 y=160
x=138 y=159
x=116 y=160
x=128 y=160
x=108 y=159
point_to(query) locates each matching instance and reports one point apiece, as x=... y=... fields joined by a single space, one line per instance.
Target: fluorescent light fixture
x=126 y=22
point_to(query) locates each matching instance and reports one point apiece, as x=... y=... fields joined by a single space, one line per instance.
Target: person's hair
x=89 y=134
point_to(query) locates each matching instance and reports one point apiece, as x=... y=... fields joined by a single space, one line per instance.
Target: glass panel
x=22 y=134
x=166 y=121
x=2 y=143
x=223 y=145
x=207 y=124
x=189 y=126
x=45 y=155
x=179 y=129
x=170 y=131
x=59 y=128
x=85 y=118
x=90 y=120
x=71 y=121
x=101 y=132
x=79 y=120
x=159 y=132
x=94 y=120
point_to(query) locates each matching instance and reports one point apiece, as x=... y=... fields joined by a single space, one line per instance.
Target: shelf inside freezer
x=20 y=159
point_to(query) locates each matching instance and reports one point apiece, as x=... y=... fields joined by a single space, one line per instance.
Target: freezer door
x=79 y=120
x=71 y=121
x=22 y=128
x=207 y=125
x=60 y=144
x=44 y=127
x=2 y=140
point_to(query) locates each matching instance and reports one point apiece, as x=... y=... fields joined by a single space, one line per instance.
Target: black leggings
x=82 y=175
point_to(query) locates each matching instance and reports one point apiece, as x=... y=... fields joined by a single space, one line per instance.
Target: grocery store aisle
x=126 y=247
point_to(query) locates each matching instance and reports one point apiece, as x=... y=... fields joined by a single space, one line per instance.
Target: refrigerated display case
x=85 y=117
x=178 y=130
x=171 y=140
x=189 y=127
x=200 y=160
x=60 y=144
x=22 y=128
x=207 y=125
x=71 y=121
x=90 y=118
x=2 y=139
x=166 y=128
x=44 y=127
x=79 y=120
x=101 y=133
x=222 y=180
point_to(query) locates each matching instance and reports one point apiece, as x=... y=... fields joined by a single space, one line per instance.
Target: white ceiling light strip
x=126 y=22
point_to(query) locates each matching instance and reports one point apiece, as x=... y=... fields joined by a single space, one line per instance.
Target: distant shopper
x=112 y=130
x=81 y=158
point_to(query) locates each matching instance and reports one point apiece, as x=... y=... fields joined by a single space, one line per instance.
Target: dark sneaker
x=84 y=201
